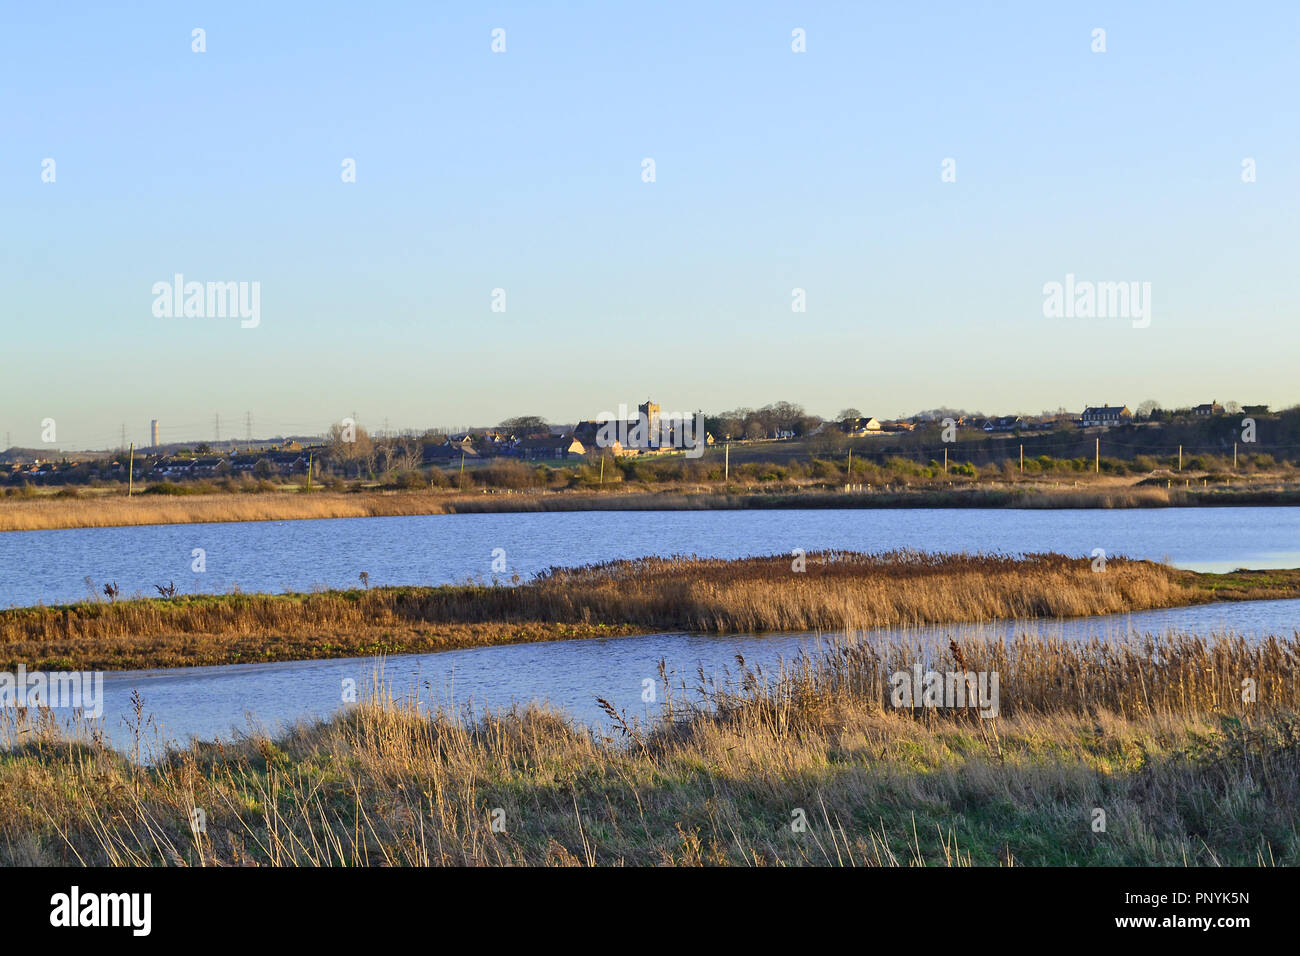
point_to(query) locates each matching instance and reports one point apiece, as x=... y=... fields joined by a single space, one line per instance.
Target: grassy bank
x=102 y=511
x=1155 y=734
x=834 y=591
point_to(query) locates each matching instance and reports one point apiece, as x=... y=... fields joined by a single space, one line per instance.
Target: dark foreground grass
x=1153 y=733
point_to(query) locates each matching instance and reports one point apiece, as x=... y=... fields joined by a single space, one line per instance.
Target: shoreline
x=839 y=592
x=51 y=513
x=1002 y=779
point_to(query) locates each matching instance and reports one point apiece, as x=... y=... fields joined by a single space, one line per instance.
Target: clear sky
x=522 y=170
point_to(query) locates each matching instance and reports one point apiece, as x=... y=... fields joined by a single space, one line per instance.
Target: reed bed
x=101 y=511
x=19 y=514
x=834 y=591
x=1150 y=730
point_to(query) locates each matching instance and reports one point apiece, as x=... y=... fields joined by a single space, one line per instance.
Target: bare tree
x=409 y=454
x=351 y=453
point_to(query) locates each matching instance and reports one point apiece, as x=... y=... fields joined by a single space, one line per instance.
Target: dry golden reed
x=1153 y=729
x=101 y=511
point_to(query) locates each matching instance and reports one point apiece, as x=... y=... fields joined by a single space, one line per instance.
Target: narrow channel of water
x=209 y=702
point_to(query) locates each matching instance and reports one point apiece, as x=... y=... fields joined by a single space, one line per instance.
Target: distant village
x=533 y=439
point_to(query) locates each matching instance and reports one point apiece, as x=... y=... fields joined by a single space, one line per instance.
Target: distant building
x=649 y=413
x=153 y=433
x=448 y=451
x=1104 y=415
x=1210 y=408
x=647 y=433
x=557 y=446
x=860 y=427
x=1004 y=423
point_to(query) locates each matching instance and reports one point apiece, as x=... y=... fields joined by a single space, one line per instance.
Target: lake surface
x=51 y=566
x=210 y=702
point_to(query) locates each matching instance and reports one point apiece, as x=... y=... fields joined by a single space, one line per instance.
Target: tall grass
x=1152 y=730
x=25 y=513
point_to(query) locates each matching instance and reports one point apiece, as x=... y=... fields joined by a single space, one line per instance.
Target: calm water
x=51 y=566
x=209 y=702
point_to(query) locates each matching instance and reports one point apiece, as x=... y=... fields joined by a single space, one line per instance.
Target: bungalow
x=860 y=427
x=1104 y=415
x=173 y=468
x=1210 y=408
x=1004 y=423
x=448 y=451
x=276 y=463
x=555 y=446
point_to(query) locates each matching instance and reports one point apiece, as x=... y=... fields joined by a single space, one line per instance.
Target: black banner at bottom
x=951 y=905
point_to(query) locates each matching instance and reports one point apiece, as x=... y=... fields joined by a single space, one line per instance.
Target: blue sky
x=522 y=171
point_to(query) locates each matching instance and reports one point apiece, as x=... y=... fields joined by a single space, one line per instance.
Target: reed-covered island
x=819 y=591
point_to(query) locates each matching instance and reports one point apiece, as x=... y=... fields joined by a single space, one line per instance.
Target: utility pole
x=602 y=469
x=310 y=457
x=850 y=466
x=130 y=473
x=726 y=466
x=1234 y=456
x=1180 y=457
x=248 y=428
x=1022 y=459
x=123 y=445
x=945 y=459
x=1097 y=459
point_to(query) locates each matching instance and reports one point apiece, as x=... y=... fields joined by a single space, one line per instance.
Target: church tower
x=649 y=413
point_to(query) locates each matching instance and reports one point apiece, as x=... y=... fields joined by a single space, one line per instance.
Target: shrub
x=505 y=474
x=169 y=488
